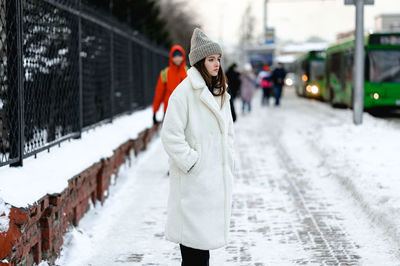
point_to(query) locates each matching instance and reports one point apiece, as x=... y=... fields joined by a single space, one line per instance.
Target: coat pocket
x=196 y=168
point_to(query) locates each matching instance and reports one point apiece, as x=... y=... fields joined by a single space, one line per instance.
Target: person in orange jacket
x=169 y=79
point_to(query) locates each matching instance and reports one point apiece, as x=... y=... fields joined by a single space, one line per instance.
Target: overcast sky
x=293 y=19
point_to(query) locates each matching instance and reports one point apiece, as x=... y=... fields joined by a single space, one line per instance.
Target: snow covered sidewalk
x=288 y=206
x=128 y=228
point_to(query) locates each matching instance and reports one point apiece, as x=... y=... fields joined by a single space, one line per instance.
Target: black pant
x=266 y=93
x=232 y=109
x=277 y=94
x=194 y=257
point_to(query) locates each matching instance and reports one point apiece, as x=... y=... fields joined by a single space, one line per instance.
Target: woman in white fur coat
x=197 y=134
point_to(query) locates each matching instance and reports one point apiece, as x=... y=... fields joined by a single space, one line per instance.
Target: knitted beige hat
x=201 y=46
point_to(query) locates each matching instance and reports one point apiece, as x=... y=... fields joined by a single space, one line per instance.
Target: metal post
x=20 y=82
x=130 y=67
x=19 y=86
x=358 y=96
x=111 y=6
x=112 y=73
x=145 y=61
x=80 y=71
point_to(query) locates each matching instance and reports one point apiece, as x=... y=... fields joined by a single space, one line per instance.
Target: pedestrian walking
x=278 y=78
x=233 y=77
x=169 y=78
x=197 y=135
x=248 y=79
x=264 y=81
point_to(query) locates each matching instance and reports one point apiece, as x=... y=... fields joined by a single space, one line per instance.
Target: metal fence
x=65 y=67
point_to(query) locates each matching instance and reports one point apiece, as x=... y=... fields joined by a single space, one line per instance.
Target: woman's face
x=212 y=64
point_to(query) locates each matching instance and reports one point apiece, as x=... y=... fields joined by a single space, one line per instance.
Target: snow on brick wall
x=4 y=212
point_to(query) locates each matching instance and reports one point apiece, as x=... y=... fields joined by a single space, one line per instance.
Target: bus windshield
x=316 y=70
x=384 y=65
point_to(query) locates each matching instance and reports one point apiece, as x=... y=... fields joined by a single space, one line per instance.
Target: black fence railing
x=65 y=67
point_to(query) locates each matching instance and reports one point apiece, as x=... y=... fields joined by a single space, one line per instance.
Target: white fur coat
x=198 y=137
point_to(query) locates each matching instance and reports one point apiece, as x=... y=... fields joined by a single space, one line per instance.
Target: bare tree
x=180 y=23
x=246 y=30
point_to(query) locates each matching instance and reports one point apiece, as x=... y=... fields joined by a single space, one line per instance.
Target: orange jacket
x=168 y=80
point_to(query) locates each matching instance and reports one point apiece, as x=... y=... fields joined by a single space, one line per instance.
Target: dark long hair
x=213 y=83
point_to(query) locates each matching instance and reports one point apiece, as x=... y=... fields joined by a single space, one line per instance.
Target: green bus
x=381 y=73
x=309 y=68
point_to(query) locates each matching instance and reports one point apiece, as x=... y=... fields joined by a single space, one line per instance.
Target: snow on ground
x=288 y=206
x=50 y=172
x=365 y=159
x=4 y=212
x=370 y=163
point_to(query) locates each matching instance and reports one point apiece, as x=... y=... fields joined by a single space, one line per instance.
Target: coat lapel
x=207 y=98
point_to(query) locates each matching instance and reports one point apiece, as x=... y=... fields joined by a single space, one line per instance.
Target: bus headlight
x=313 y=89
x=376 y=96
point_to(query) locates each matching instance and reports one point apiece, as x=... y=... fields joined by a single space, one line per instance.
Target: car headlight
x=289 y=82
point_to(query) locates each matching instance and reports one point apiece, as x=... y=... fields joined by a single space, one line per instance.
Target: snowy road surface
x=287 y=207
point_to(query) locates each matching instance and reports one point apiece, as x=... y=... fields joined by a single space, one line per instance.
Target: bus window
x=327 y=66
x=384 y=65
x=336 y=70
x=366 y=67
x=316 y=70
x=349 y=65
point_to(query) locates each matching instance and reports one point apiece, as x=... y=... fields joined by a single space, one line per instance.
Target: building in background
x=345 y=35
x=387 y=23
x=259 y=55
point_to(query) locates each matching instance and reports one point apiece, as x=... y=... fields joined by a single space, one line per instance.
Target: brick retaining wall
x=36 y=233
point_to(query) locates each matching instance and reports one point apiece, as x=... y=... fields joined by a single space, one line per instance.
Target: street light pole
x=358 y=95
x=265 y=15
x=358 y=92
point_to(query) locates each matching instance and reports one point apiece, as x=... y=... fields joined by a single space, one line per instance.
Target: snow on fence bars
x=36 y=233
x=64 y=68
